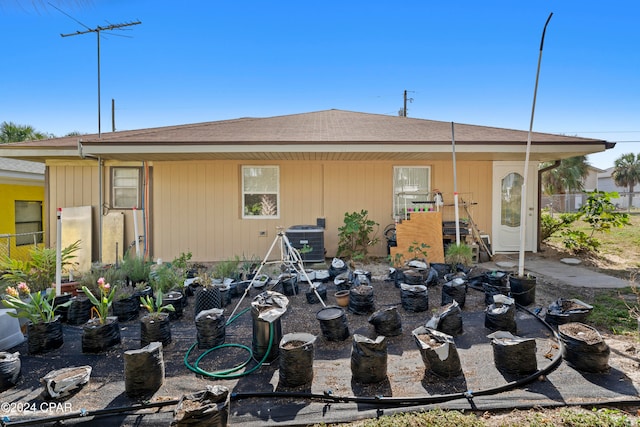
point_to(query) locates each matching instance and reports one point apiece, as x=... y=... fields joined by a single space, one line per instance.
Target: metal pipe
x=523 y=192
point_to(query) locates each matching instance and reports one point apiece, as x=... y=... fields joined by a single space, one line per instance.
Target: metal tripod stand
x=290 y=259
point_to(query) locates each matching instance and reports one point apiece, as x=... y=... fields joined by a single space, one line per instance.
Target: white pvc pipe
x=455 y=186
x=59 y=252
x=135 y=231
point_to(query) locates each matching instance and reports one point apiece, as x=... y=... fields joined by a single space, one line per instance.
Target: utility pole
x=404 y=109
x=97 y=30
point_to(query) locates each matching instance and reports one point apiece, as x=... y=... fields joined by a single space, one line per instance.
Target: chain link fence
x=18 y=246
x=571 y=202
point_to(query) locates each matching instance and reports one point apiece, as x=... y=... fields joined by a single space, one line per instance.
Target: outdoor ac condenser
x=310 y=235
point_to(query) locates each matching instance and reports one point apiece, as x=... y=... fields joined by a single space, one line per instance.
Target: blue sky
x=465 y=61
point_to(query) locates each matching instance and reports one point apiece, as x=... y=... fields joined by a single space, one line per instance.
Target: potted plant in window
x=102 y=331
x=44 y=328
x=155 y=325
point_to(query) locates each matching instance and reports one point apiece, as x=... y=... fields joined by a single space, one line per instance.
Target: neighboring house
x=571 y=202
x=21 y=203
x=221 y=189
x=607 y=184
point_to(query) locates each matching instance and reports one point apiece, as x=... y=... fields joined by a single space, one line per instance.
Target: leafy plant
x=165 y=277
x=155 y=307
x=598 y=213
x=40 y=269
x=226 y=269
x=415 y=250
x=459 y=254
x=136 y=268
x=356 y=235
x=103 y=301
x=248 y=265
x=37 y=307
x=550 y=225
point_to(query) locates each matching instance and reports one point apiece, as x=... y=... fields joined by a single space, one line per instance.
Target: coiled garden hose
x=230 y=373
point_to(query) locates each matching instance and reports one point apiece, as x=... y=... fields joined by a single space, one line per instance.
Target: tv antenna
x=96 y=30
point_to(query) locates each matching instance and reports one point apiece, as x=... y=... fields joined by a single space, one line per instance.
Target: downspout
x=100 y=194
x=540 y=172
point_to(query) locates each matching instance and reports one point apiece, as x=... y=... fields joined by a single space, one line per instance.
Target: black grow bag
x=438 y=351
x=44 y=337
x=501 y=315
x=448 y=320
x=361 y=300
x=296 y=359
x=523 y=289
x=79 y=311
x=97 y=338
x=564 y=311
x=312 y=297
x=414 y=298
x=333 y=323
x=126 y=309
x=206 y=408
x=387 y=322
x=368 y=359
x=155 y=327
x=207 y=298
x=211 y=328
x=454 y=290
x=9 y=369
x=583 y=348
x=512 y=354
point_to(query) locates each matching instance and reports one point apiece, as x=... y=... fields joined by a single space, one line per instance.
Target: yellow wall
x=9 y=193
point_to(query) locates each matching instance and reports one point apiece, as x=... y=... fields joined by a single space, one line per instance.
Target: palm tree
x=568 y=177
x=626 y=173
x=11 y=132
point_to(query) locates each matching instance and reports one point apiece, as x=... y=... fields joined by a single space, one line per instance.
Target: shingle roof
x=333 y=130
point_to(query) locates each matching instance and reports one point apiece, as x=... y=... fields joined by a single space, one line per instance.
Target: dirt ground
x=105 y=388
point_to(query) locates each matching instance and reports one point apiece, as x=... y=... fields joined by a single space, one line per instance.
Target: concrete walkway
x=573 y=275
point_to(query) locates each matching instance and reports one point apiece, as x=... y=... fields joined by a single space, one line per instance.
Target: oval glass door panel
x=510 y=201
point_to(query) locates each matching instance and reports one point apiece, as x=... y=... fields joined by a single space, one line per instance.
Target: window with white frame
x=411 y=189
x=125 y=187
x=260 y=192
x=28 y=222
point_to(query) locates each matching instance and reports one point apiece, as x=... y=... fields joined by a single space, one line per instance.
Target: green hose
x=229 y=373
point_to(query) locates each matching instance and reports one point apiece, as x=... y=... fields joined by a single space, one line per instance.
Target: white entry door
x=507 y=195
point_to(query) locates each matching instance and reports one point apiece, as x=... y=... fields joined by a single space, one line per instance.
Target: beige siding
x=197 y=204
x=72 y=185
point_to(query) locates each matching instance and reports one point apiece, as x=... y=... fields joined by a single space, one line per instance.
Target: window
x=411 y=189
x=510 y=203
x=260 y=192
x=125 y=186
x=28 y=222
